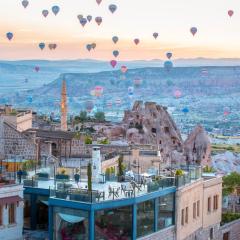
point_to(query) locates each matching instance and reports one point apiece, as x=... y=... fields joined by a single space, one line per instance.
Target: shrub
x=88 y=140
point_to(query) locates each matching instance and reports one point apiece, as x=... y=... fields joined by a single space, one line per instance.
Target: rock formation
x=197 y=147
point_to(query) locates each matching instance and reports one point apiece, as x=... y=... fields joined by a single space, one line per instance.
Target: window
x=182 y=217
x=215 y=202
x=226 y=236
x=154 y=130
x=194 y=210
x=211 y=233
x=198 y=208
x=1 y=215
x=11 y=213
x=186 y=215
x=209 y=204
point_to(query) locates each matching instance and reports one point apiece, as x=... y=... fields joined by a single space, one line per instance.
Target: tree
x=83 y=116
x=88 y=140
x=99 y=116
x=121 y=168
x=89 y=174
x=230 y=184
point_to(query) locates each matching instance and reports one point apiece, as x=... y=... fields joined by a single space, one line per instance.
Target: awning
x=10 y=200
x=71 y=218
x=44 y=202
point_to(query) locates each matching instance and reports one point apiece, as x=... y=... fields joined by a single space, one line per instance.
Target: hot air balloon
x=226 y=111
x=37 y=68
x=25 y=3
x=89 y=18
x=98 y=2
x=29 y=99
x=113 y=63
x=115 y=53
x=115 y=39
x=168 y=65
x=136 y=41
x=98 y=20
x=130 y=91
x=41 y=45
x=80 y=17
x=155 y=35
x=193 y=30
x=112 y=8
x=169 y=55
x=45 y=13
x=185 y=110
x=118 y=101
x=94 y=45
x=92 y=92
x=124 y=69
x=9 y=36
x=109 y=104
x=52 y=46
x=177 y=93
x=230 y=13
x=83 y=21
x=137 y=82
x=55 y=10
x=98 y=91
x=89 y=47
x=89 y=105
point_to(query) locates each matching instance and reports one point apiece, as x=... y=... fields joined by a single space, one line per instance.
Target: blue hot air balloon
x=83 y=21
x=89 y=47
x=168 y=65
x=89 y=18
x=115 y=53
x=9 y=36
x=41 y=45
x=115 y=39
x=112 y=8
x=169 y=55
x=29 y=99
x=185 y=110
x=55 y=10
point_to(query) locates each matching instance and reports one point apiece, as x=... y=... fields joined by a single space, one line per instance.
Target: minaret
x=64 y=107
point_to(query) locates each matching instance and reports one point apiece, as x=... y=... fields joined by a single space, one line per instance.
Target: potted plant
x=62 y=175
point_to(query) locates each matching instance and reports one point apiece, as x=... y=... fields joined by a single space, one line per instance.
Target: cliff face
x=197 y=147
x=150 y=123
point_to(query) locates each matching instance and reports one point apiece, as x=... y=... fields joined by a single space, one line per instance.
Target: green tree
x=99 y=116
x=88 y=140
x=83 y=116
x=120 y=166
x=89 y=174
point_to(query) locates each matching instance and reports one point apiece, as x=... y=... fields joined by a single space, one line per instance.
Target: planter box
x=62 y=177
x=42 y=176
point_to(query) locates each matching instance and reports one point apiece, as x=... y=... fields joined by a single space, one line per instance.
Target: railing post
x=134 y=222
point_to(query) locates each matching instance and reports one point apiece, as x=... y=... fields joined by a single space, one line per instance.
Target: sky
x=218 y=35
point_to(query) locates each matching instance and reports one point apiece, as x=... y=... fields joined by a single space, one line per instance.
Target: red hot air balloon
x=98 y=2
x=98 y=91
x=230 y=13
x=136 y=41
x=98 y=20
x=193 y=30
x=177 y=93
x=113 y=63
x=124 y=69
x=45 y=13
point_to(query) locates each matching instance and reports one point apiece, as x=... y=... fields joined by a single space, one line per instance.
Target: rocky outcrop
x=197 y=147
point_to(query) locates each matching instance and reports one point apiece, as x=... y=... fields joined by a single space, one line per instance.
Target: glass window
x=166 y=211
x=215 y=202
x=186 y=215
x=194 y=210
x=198 y=208
x=11 y=213
x=70 y=224
x=145 y=218
x=209 y=204
x=182 y=217
x=114 y=224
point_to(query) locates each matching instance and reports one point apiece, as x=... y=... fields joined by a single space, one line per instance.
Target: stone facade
x=231 y=229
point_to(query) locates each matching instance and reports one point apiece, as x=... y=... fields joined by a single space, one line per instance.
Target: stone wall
x=166 y=234
x=233 y=228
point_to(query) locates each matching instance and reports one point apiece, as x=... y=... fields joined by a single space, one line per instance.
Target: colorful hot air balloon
x=130 y=90
x=226 y=111
x=98 y=91
x=115 y=53
x=137 y=82
x=124 y=69
x=168 y=65
x=112 y=8
x=52 y=46
x=25 y=3
x=37 y=68
x=185 y=110
x=136 y=41
x=118 y=101
x=9 y=36
x=169 y=55
x=55 y=10
x=230 y=13
x=193 y=30
x=41 y=45
x=89 y=47
x=89 y=18
x=89 y=105
x=98 y=20
x=83 y=21
x=155 y=35
x=177 y=93
x=115 y=39
x=109 y=104
x=98 y=2
x=113 y=63
x=45 y=13
x=94 y=45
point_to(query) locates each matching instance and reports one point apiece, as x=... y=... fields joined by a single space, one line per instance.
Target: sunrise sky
x=218 y=34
